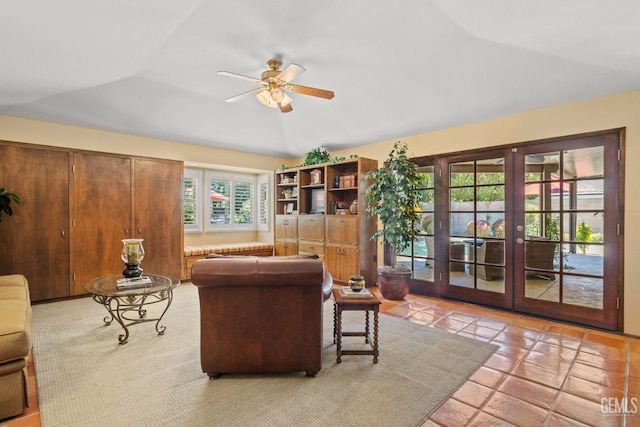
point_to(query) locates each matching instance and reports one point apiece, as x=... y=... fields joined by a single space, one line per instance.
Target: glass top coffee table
x=128 y=306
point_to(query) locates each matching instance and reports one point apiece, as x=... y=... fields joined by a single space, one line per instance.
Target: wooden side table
x=355 y=304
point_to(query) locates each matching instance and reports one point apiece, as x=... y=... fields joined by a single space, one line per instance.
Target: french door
x=528 y=228
x=568 y=256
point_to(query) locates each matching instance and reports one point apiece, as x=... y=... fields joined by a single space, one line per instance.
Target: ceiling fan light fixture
x=274 y=98
x=274 y=84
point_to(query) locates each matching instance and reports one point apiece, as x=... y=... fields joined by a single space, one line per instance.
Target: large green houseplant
x=5 y=202
x=392 y=197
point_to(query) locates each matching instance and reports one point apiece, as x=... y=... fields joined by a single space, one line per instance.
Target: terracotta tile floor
x=544 y=373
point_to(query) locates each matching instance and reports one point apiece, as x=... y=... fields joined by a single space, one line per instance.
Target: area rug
x=85 y=378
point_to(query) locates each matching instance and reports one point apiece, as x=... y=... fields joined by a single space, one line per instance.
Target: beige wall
x=592 y=115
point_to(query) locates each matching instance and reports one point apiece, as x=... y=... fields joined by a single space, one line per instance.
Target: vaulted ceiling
x=149 y=67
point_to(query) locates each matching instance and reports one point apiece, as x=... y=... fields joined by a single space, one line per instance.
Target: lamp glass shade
x=265 y=98
x=271 y=98
x=132 y=251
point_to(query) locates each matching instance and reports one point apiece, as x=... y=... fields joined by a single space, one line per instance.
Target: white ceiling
x=148 y=67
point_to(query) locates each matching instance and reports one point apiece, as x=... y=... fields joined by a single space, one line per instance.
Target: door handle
x=519 y=240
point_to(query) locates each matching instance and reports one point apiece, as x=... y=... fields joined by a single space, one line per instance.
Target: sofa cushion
x=15 y=329
x=225 y=248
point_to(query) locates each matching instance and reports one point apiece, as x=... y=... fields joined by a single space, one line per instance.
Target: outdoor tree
x=584 y=233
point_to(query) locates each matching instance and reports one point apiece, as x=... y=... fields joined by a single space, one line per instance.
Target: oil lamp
x=132 y=255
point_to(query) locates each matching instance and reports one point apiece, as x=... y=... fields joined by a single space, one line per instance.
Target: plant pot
x=393 y=283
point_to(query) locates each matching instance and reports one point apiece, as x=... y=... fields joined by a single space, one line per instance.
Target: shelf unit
x=287 y=193
x=329 y=208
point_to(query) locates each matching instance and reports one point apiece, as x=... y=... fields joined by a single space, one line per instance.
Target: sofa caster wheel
x=312 y=374
x=213 y=375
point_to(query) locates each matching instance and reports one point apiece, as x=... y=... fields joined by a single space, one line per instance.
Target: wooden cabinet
x=342 y=260
x=343 y=228
x=157 y=214
x=133 y=198
x=328 y=201
x=286 y=235
x=77 y=208
x=343 y=242
x=285 y=247
x=311 y=227
x=311 y=232
x=101 y=216
x=35 y=240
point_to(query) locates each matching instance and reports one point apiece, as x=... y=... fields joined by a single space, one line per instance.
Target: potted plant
x=392 y=196
x=5 y=202
x=316 y=156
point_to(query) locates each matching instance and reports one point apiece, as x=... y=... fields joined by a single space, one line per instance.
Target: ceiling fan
x=275 y=83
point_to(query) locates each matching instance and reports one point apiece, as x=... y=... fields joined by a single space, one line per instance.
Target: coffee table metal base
x=129 y=310
x=129 y=306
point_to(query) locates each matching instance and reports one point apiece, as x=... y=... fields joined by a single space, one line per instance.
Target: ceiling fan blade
x=306 y=90
x=241 y=76
x=291 y=72
x=247 y=93
x=286 y=108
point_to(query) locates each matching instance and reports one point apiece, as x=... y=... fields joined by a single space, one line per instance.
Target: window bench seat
x=194 y=253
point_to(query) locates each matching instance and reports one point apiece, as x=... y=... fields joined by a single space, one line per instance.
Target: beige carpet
x=85 y=378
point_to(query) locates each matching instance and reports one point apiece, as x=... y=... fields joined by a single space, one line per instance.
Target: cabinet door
x=342 y=228
x=286 y=227
x=102 y=215
x=311 y=227
x=285 y=247
x=349 y=262
x=342 y=261
x=332 y=260
x=157 y=195
x=311 y=247
x=35 y=240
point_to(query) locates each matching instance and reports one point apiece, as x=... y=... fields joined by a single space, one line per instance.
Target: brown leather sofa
x=261 y=314
x=15 y=344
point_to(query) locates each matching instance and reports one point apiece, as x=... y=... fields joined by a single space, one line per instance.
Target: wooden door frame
x=609 y=317
x=440 y=162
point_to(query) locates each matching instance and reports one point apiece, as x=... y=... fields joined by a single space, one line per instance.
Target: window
x=219 y=200
x=192 y=210
x=263 y=202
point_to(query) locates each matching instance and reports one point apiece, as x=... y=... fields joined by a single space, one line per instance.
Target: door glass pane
x=539 y=167
x=589 y=194
x=490 y=198
x=458 y=275
x=459 y=222
x=542 y=225
x=543 y=288
x=459 y=256
x=541 y=255
x=584 y=291
x=461 y=199
x=583 y=163
x=490 y=171
x=591 y=262
x=460 y=174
